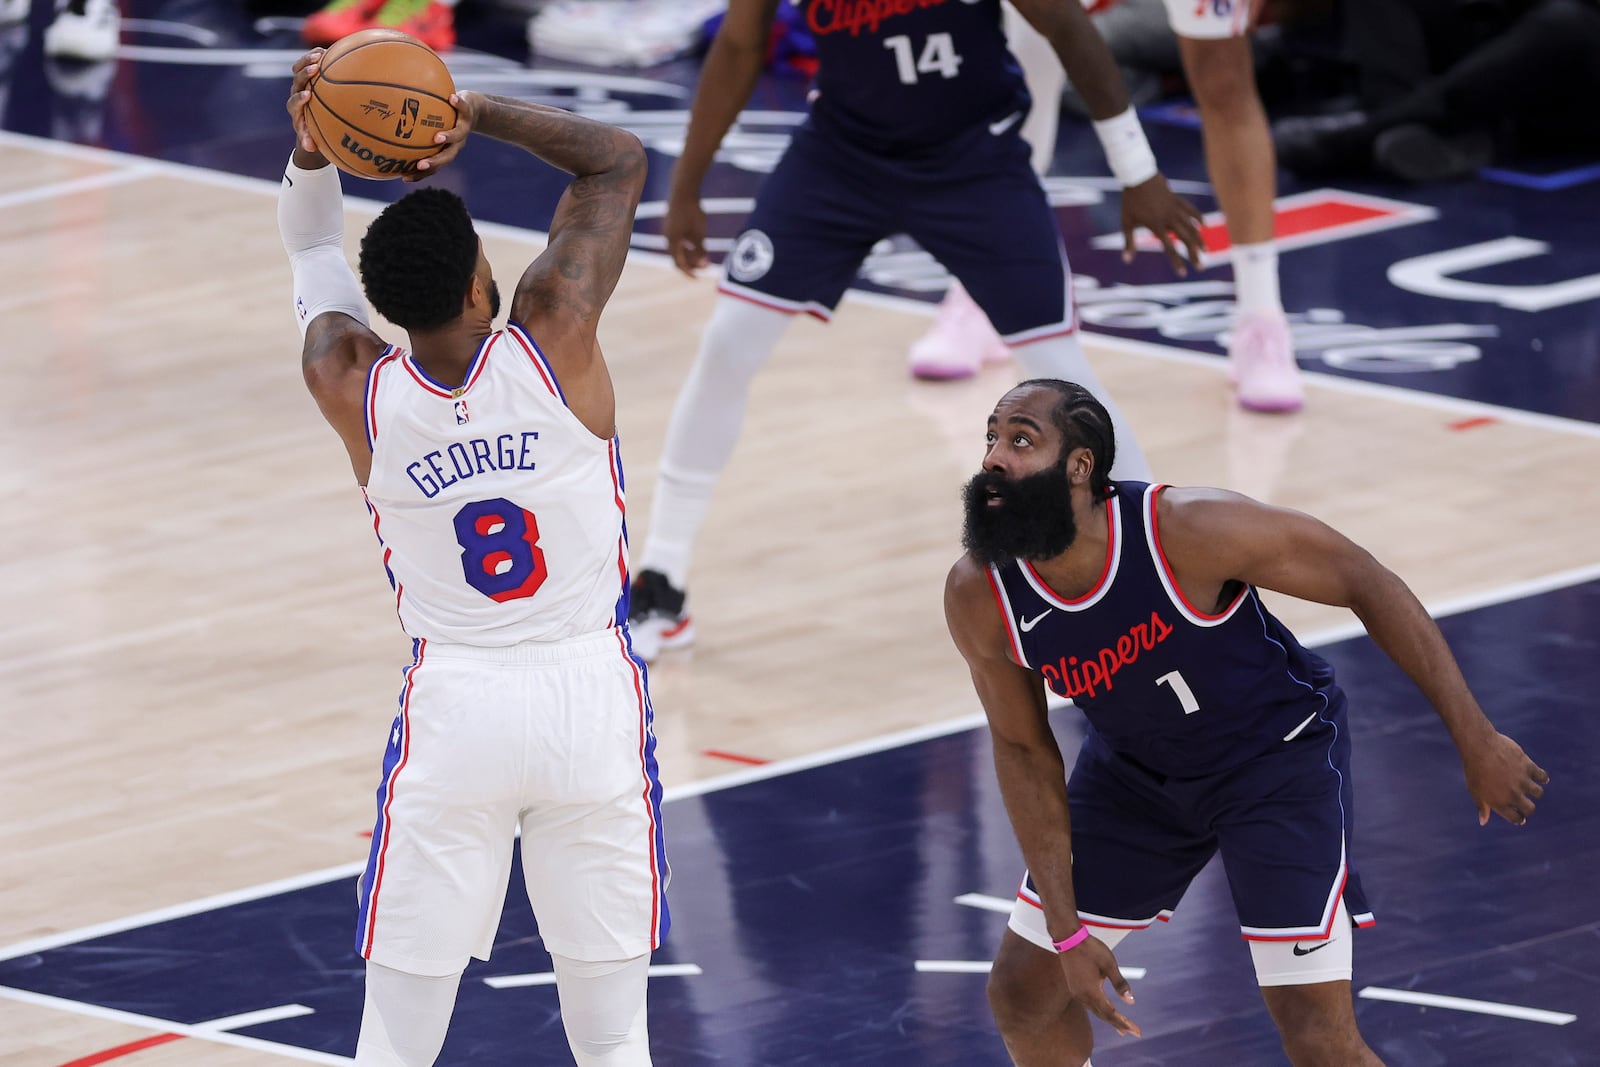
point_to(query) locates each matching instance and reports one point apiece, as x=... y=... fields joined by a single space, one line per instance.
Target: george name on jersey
x=444 y=467
x=1074 y=678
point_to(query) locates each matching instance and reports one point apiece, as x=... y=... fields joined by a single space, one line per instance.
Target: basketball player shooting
x=488 y=461
x=913 y=129
x=1210 y=727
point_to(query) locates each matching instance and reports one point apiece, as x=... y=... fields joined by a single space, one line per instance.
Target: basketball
x=377 y=103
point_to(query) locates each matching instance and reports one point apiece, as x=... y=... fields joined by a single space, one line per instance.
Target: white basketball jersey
x=500 y=514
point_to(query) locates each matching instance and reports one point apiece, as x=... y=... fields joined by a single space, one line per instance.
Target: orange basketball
x=377 y=103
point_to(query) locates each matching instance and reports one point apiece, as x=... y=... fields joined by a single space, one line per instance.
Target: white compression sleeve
x=603 y=1010
x=705 y=426
x=311 y=223
x=405 y=1017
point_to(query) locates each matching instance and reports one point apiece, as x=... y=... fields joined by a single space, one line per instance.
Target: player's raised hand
x=467 y=105
x=685 y=230
x=305 y=69
x=1153 y=205
x=1502 y=779
x=1087 y=966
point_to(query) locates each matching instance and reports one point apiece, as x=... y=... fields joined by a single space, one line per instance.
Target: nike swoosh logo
x=1298 y=951
x=1028 y=624
x=997 y=128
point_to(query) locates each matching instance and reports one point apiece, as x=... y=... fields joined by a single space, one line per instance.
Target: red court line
x=124 y=1050
x=1473 y=423
x=716 y=753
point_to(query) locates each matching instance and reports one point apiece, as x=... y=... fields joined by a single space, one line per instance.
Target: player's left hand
x=466 y=104
x=1502 y=779
x=1153 y=205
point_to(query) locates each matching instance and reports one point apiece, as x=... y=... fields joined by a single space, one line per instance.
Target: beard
x=1018 y=518
x=494 y=300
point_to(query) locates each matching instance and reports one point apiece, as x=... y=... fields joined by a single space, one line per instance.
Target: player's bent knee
x=1025 y=988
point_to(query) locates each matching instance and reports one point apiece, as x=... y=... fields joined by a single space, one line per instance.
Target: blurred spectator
x=430 y=21
x=1448 y=86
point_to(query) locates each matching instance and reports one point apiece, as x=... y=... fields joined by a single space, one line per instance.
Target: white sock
x=705 y=427
x=405 y=1017
x=1255 y=279
x=1062 y=357
x=603 y=1010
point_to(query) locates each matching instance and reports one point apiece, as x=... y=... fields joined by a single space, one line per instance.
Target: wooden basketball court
x=200 y=654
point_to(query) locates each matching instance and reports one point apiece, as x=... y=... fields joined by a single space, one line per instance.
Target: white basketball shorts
x=555 y=739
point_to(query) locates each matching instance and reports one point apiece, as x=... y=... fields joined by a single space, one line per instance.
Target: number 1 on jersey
x=1180 y=687
x=938 y=57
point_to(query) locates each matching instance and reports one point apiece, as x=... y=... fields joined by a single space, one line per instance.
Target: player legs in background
x=961 y=338
x=1239 y=158
x=430 y=21
x=1215 y=49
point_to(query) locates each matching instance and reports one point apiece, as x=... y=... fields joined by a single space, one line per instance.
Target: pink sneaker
x=960 y=341
x=1261 y=364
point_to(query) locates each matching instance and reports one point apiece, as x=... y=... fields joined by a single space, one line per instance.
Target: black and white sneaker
x=657 y=621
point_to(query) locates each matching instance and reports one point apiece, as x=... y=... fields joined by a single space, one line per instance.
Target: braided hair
x=1084 y=423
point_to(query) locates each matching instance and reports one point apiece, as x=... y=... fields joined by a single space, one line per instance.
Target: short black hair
x=1084 y=422
x=418 y=257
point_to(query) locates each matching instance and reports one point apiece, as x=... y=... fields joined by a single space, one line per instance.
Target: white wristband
x=1126 y=149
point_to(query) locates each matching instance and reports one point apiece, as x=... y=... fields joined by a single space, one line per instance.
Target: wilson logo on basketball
x=380 y=163
x=408 y=118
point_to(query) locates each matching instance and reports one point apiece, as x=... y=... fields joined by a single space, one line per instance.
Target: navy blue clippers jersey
x=1168 y=684
x=899 y=74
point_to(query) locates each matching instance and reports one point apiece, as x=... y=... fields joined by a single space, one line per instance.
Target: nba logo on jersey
x=300 y=307
x=461 y=413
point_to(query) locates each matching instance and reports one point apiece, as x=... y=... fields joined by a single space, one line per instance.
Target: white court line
x=248 y=1019
x=201 y=1031
x=522 y=981
x=985 y=902
x=1481 y=1007
x=75 y=185
x=984 y=966
x=259 y=186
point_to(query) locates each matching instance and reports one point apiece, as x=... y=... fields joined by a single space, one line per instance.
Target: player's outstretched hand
x=1086 y=967
x=466 y=104
x=305 y=69
x=1153 y=205
x=1502 y=779
x=685 y=230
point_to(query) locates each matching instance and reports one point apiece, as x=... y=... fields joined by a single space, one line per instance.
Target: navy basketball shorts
x=1282 y=822
x=974 y=204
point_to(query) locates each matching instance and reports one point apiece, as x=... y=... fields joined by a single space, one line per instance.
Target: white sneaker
x=1261 y=364
x=960 y=341
x=84 y=29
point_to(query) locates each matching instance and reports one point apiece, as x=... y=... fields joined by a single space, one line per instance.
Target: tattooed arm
x=561 y=294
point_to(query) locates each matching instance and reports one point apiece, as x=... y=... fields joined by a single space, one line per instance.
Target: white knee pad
x=603 y=1010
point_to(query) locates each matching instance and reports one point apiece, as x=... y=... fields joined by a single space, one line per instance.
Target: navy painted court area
x=806 y=900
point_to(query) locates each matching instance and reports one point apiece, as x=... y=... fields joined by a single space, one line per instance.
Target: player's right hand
x=1086 y=967
x=305 y=69
x=466 y=104
x=685 y=230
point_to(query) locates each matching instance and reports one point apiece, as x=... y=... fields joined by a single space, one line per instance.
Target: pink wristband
x=1066 y=944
